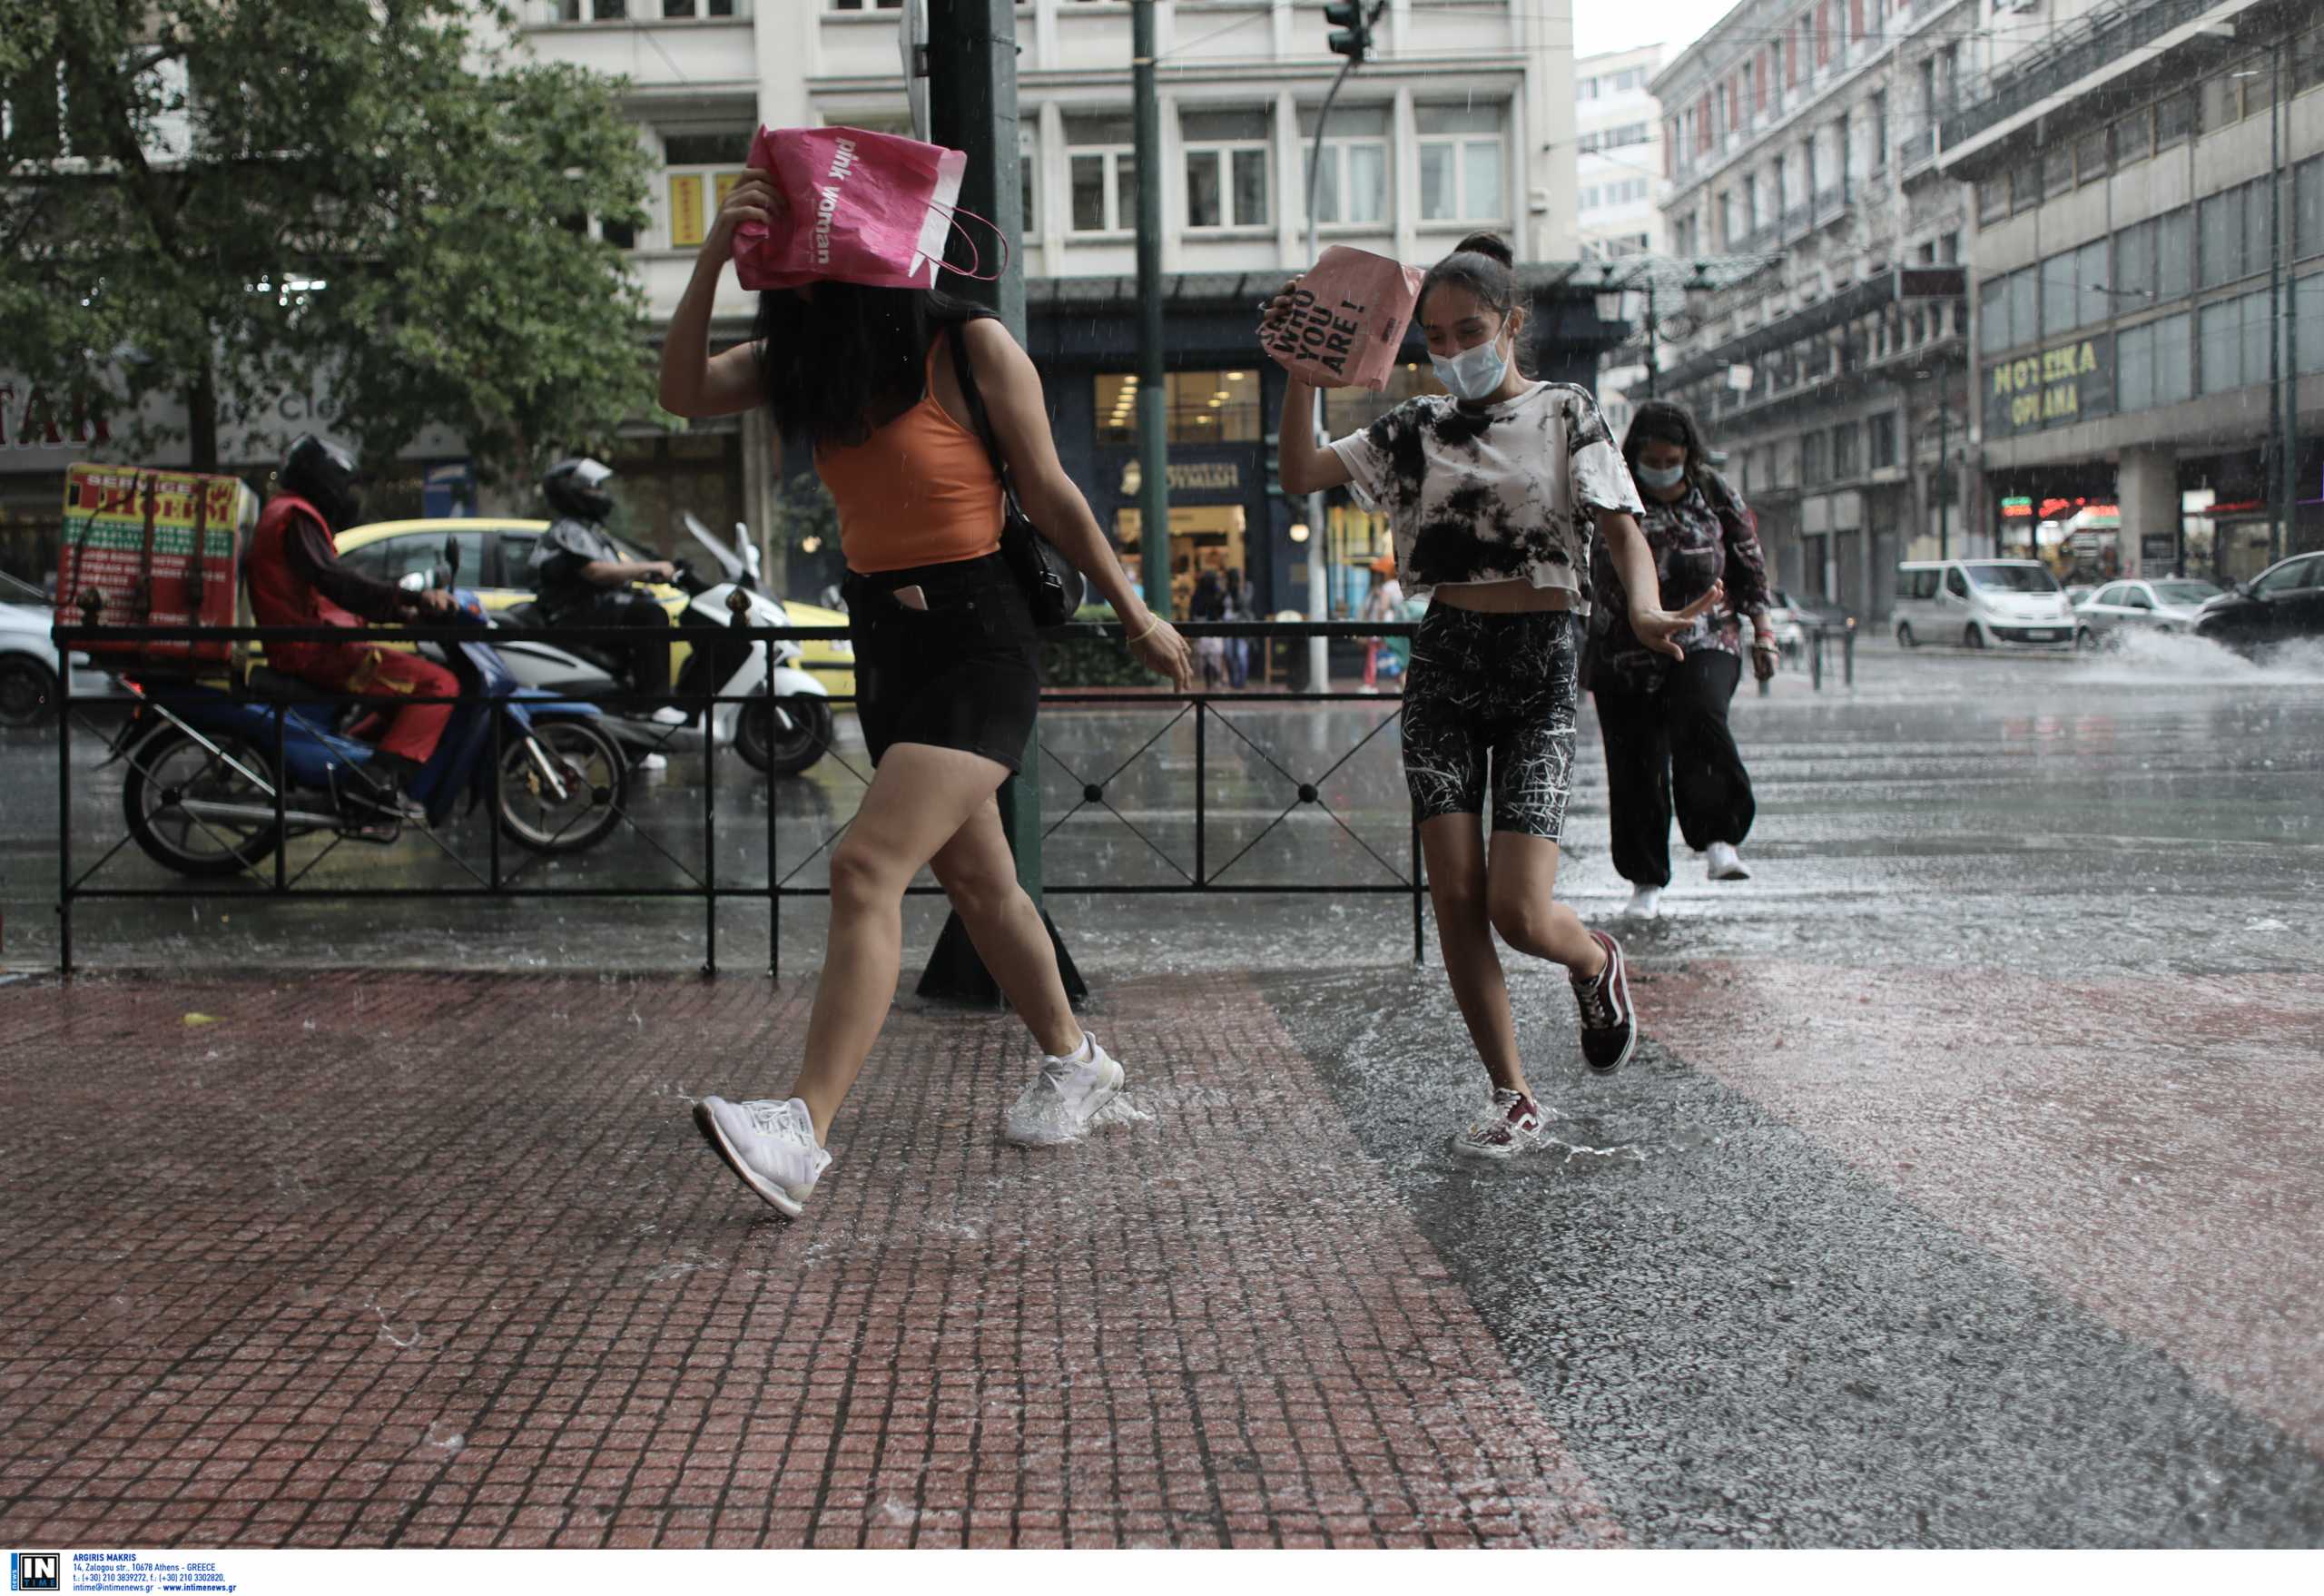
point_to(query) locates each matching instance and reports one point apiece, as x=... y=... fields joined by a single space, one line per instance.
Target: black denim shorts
x=962 y=673
x=1489 y=707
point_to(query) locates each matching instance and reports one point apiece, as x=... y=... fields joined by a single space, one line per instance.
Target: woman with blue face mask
x=1495 y=490
x=1663 y=721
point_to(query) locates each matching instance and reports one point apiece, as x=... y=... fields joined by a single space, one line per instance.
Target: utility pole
x=971 y=63
x=1153 y=391
x=2281 y=434
x=1352 y=39
x=2290 y=303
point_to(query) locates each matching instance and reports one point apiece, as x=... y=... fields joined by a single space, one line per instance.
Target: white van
x=1981 y=604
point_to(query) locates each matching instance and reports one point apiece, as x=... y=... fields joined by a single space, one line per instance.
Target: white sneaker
x=1060 y=1102
x=770 y=1145
x=651 y=763
x=1726 y=864
x=1646 y=903
x=669 y=715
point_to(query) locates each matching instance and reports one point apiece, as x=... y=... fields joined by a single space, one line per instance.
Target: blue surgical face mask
x=1660 y=480
x=1474 y=374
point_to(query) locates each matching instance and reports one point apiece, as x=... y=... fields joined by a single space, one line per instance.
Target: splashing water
x=2149 y=659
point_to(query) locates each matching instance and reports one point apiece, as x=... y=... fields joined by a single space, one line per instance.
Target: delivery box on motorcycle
x=144 y=547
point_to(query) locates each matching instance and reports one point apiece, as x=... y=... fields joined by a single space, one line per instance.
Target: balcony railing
x=2094 y=41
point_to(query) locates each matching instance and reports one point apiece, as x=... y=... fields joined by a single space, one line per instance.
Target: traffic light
x=1352 y=35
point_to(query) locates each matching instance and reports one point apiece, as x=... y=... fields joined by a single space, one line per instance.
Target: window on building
x=703 y=167
x=1844 y=149
x=1351 y=185
x=867 y=5
x=1227 y=156
x=2061 y=295
x=2233 y=335
x=2025 y=305
x=1213 y=407
x=2133 y=268
x=2174 y=119
x=2090 y=274
x=2134 y=136
x=2174 y=253
x=1992 y=199
x=2089 y=162
x=2026 y=187
x=2057 y=170
x=1812 y=457
x=1753 y=221
x=2233 y=229
x=679 y=8
x=1880 y=130
x=1847 y=459
x=1993 y=316
x=1101 y=163
x=2308 y=209
x=1462 y=162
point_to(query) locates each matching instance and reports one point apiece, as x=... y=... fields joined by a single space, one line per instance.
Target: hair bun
x=1489 y=244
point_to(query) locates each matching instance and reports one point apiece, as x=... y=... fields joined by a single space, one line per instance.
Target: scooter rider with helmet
x=296 y=579
x=581 y=579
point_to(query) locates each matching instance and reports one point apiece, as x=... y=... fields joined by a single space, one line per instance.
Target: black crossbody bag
x=1054 y=586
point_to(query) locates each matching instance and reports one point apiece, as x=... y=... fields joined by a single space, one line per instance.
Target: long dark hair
x=848 y=361
x=1666 y=421
x=1485 y=265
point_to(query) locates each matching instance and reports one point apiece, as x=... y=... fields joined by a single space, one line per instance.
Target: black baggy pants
x=1669 y=747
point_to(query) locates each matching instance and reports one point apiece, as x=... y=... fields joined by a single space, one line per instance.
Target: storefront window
x=1351 y=410
x=702 y=167
x=1201 y=407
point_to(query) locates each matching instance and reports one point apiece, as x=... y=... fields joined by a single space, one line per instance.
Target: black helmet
x=325 y=476
x=577 y=487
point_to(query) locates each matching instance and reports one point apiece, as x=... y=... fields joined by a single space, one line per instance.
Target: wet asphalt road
x=1802 y=1274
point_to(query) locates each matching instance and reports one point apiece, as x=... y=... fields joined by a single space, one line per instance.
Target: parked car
x=2283 y=603
x=1795 y=621
x=29 y=665
x=494 y=559
x=1981 y=604
x=2162 y=604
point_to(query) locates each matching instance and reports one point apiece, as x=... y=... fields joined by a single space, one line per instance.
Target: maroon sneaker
x=1512 y=1124
x=1609 y=1024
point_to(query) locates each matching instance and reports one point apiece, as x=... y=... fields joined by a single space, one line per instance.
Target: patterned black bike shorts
x=1494 y=694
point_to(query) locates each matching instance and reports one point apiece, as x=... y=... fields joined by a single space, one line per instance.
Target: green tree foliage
x=378 y=202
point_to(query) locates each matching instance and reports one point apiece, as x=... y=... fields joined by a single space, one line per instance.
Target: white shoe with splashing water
x=1727 y=864
x=1062 y=1100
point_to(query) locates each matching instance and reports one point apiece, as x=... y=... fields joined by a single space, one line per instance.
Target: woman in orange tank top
x=945 y=661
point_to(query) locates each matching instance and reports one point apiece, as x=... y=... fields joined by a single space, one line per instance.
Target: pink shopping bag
x=1347 y=320
x=864 y=207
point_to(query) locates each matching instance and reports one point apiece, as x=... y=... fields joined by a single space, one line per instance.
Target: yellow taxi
x=494 y=555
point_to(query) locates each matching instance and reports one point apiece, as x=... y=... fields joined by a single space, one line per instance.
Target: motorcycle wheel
x=27 y=691
x=174 y=766
x=775 y=752
x=597 y=777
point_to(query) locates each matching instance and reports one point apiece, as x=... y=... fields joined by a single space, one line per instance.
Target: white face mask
x=1474 y=374
x=1663 y=479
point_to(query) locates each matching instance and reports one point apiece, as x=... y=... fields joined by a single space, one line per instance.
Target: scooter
x=785 y=726
x=202 y=788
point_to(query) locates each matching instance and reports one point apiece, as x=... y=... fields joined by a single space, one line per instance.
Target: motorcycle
x=202 y=786
x=783 y=720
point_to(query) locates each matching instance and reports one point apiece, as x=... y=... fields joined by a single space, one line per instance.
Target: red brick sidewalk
x=408 y=1260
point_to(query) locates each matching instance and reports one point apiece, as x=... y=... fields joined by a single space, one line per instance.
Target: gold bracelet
x=1142 y=637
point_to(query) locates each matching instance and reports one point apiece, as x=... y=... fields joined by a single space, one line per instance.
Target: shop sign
x=1190 y=477
x=2064 y=383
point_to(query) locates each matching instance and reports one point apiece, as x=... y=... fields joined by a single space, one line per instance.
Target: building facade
x=1463 y=118
x=2148 y=247
x=1619 y=177
x=1801 y=142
